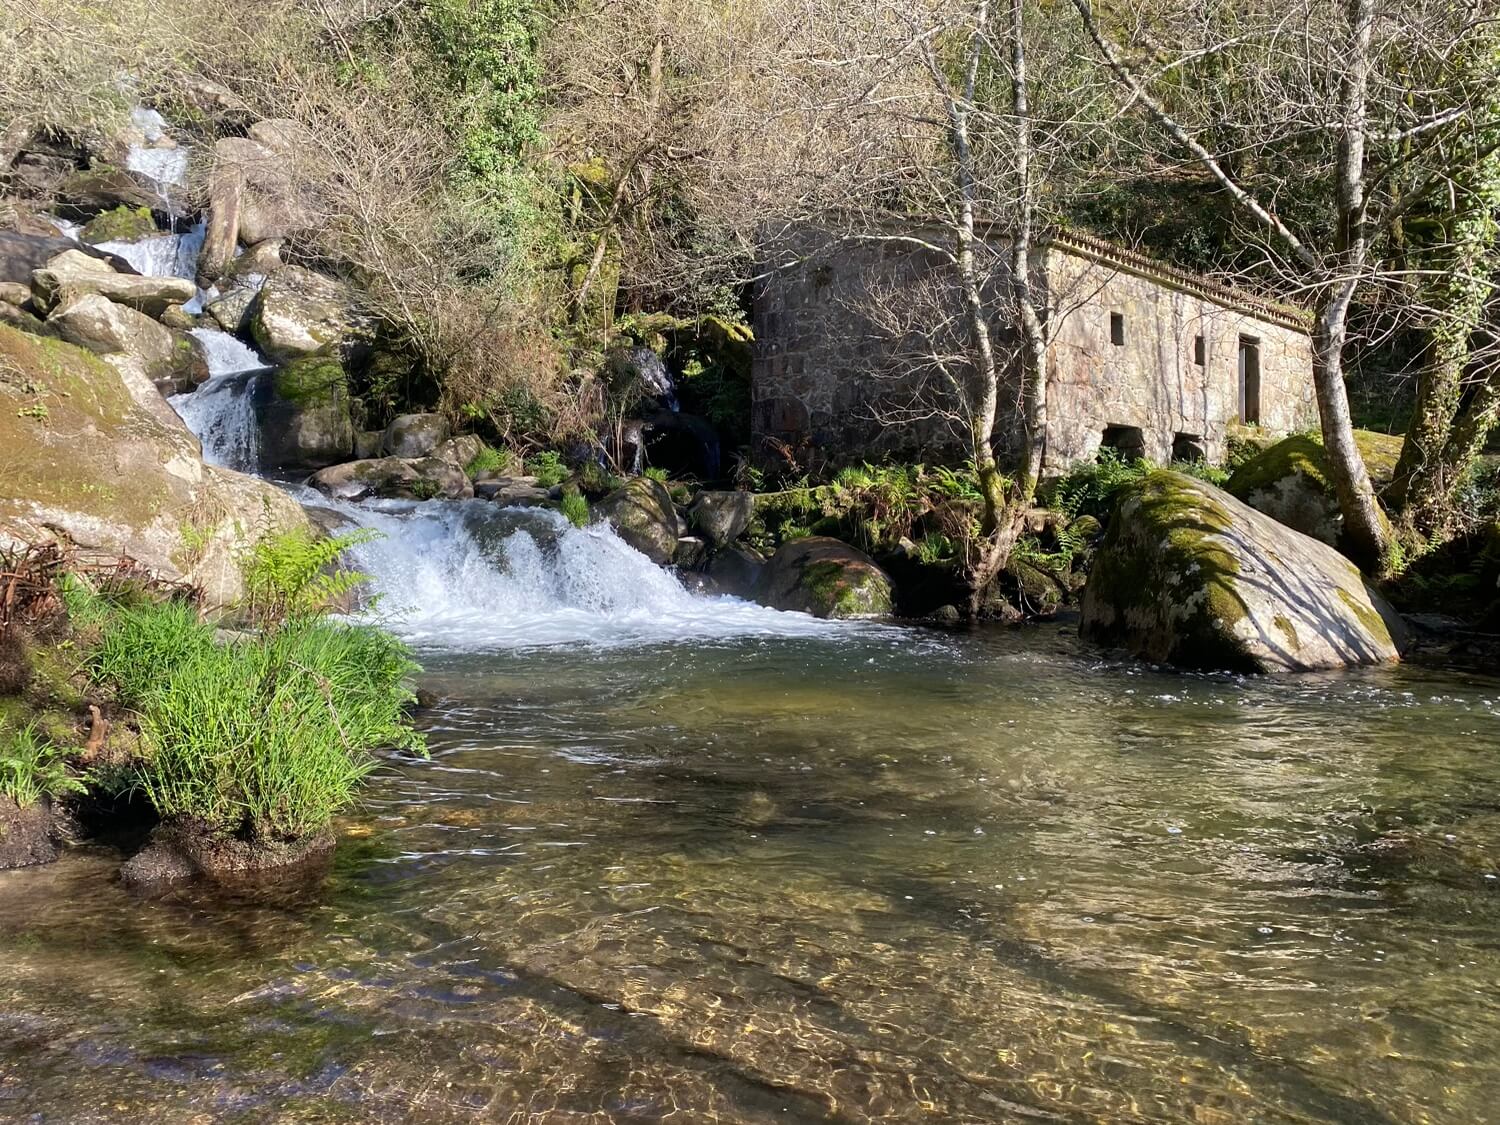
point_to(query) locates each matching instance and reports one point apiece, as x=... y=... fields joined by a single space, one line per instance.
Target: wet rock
x=74 y=273
x=103 y=187
x=306 y=422
x=691 y=553
x=643 y=515
x=26 y=835
x=736 y=570
x=172 y=361
x=302 y=313
x=177 y=853
x=513 y=492
x=1188 y=575
x=231 y=310
x=394 y=478
x=414 y=435
x=112 y=469
x=826 y=578
x=722 y=517
x=1288 y=481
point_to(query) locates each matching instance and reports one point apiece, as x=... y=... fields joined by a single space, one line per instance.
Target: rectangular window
x=1249 y=380
x=1117 y=329
x=1200 y=354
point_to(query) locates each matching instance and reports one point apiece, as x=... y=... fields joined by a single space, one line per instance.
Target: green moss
x=1287 y=630
x=1300 y=454
x=311 y=381
x=845 y=591
x=121 y=224
x=1373 y=623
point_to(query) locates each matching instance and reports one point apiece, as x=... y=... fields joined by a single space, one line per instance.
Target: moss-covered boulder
x=305 y=422
x=1288 y=481
x=302 y=313
x=826 y=578
x=642 y=514
x=119 y=224
x=414 y=435
x=90 y=455
x=172 y=361
x=1188 y=575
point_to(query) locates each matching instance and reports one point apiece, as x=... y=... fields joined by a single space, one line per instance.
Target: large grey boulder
x=302 y=313
x=231 y=309
x=722 y=517
x=513 y=492
x=306 y=423
x=460 y=450
x=172 y=361
x=111 y=469
x=255 y=192
x=414 y=435
x=736 y=570
x=826 y=578
x=395 y=478
x=74 y=272
x=643 y=515
x=1188 y=575
x=22 y=254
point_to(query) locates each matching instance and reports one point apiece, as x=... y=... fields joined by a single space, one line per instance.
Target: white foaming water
x=166 y=167
x=466 y=575
x=221 y=413
x=162 y=255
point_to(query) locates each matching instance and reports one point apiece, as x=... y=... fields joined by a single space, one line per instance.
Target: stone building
x=853 y=342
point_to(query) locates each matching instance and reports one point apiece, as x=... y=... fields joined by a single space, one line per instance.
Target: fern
x=294 y=574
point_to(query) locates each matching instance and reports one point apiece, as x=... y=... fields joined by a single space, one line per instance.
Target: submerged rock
x=642 y=514
x=93 y=456
x=26 y=834
x=307 y=424
x=722 y=517
x=1288 y=481
x=826 y=578
x=1188 y=575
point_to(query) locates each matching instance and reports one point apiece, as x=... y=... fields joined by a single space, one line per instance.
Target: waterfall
x=222 y=411
x=468 y=575
x=162 y=255
x=167 y=167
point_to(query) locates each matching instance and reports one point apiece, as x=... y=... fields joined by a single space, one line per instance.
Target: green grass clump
x=32 y=768
x=547 y=467
x=657 y=474
x=490 y=460
x=263 y=738
x=576 y=509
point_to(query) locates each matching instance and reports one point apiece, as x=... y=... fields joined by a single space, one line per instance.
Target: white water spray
x=467 y=575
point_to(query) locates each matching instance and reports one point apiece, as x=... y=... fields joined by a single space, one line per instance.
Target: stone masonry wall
x=840 y=377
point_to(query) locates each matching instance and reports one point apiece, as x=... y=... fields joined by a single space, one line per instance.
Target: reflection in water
x=892 y=877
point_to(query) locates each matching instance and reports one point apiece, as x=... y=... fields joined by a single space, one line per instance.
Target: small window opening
x=1188 y=447
x=1127 y=441
x=1249 y=380
x=1117 y=329
x=1200 y=352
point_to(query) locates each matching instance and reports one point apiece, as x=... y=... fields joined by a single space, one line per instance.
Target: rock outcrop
x=136 y=345
x=414 y=435
x=826 y=578
x=642 y=514
x=75 y=274
x=91 y=455
x=301 y=313
x=1190 y=576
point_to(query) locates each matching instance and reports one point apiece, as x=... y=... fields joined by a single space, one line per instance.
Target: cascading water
x=467 y=575
x=460 y=575
x=166 y=166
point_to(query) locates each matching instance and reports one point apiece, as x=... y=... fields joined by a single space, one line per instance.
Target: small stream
x=874 y=875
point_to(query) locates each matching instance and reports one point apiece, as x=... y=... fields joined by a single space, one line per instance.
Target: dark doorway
x=1188 y=447
x=1249 y=380
x=1127 y=441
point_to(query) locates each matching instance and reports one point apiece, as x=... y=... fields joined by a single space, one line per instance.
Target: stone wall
x=854 y=345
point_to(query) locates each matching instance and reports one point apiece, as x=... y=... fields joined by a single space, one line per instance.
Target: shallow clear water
x=879 y=876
